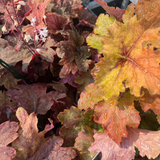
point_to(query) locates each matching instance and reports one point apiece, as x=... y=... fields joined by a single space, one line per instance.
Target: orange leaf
x=114 y=118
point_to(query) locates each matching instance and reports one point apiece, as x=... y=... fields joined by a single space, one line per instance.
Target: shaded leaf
x=34 y=97
x=149 y=121
x=67 y=8
x=7 y=79
x=84 y=140
x=11 y=57
x=84 y=79
x=52 y=149
x=46 y=52
x=149 y=101
x=73 y=53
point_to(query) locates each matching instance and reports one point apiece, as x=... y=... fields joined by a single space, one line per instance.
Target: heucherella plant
x=84 y=84
x=126 y=78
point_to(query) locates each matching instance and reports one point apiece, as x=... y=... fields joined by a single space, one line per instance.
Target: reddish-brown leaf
x=117 y=13
x=53 y=151
x=56 y=22
x=46 y=52
x=34 y=97
x=7 y=135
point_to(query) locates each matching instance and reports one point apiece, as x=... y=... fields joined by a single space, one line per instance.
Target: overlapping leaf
x=53 y=150
x=147 y=143
x=67 y=8
x=56 y=22
x=34 y=97
x=30 y=139
x=117 y=13
x=8 y=133
x=132 y=59
x=110 y=150
x=83 y=142
x=38 y=12
x=116 y=115
x=7 y=79
x=73 y=121
x=73 y=53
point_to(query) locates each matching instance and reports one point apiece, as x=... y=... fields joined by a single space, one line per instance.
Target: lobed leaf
x=73 y=121
x=34 y=98
x=110 y=150
x=53 y=150
x=8 y=133
x=115 y=117
x=147 y=142
x=117 y=13
x=30 y=139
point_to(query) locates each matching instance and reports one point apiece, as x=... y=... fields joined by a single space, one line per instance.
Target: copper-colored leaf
x=11 y=57
x=115 y=117
x=30 y=139
x=110 y=150
x=7 y=135
x=55 y=22
x=117 y=13
x=147 y=142
x=38 y=11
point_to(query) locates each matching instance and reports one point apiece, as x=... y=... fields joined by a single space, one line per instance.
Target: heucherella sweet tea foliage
x=129 y=71
x=85 y=84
